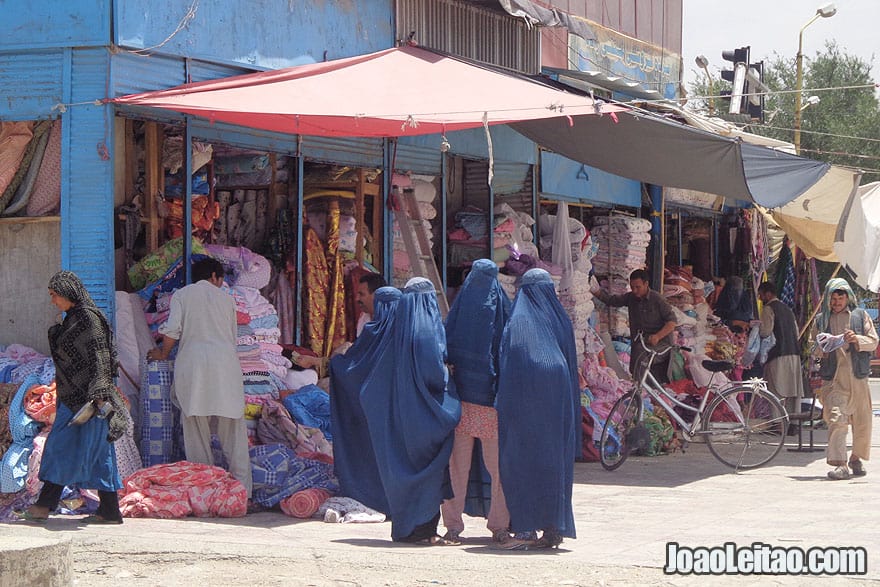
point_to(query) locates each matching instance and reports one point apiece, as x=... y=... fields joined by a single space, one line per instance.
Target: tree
x=827 y=128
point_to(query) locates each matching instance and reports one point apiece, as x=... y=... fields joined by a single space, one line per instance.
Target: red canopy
x=395 y=92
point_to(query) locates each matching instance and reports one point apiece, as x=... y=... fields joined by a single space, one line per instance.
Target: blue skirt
x=79 y=455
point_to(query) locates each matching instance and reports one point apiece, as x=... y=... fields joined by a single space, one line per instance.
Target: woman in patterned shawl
x=85 y=365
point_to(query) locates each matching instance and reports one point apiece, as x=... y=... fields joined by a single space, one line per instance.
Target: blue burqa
x=538 y=409
x=410 y=414
x=473 y=337
x=353 y=456
x=473 y=333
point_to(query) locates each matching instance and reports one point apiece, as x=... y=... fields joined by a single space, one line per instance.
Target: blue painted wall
x=571 y=180
x=264 y=34
x=35 y=24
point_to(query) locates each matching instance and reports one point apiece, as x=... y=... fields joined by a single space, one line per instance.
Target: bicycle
x=743 y=422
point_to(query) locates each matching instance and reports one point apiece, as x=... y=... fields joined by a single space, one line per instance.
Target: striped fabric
x=161 y=430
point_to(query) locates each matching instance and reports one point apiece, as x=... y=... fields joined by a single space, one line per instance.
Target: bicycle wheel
x=623 y=417
x=745 y=427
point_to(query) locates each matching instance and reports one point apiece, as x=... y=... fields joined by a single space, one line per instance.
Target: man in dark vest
x=783 y=367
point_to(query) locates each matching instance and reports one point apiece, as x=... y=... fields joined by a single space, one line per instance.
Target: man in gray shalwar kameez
x=783 y=367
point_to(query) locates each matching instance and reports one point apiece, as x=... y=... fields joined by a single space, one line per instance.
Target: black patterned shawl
x=84 y=352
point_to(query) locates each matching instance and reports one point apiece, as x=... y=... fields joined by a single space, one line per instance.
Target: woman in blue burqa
x=353 y=458
x=735 y=306
x=538 y=415
x=473 y=336
x=411 y=415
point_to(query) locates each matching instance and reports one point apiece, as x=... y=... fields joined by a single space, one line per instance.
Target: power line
x=779 y=92
x=841 y=153
x=816 y=132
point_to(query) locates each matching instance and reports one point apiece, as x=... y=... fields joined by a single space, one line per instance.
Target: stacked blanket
x=623 y=244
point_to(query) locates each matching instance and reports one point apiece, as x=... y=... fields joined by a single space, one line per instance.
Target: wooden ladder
x=418 y=248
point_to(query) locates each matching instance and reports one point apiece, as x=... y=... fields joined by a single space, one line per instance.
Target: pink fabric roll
x=305 y=503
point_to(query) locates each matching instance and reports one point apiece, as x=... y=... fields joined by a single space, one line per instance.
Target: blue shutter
x=241 y=136
x=355 y=151
x=87 y=177
x=31 y=84
x=417 y=159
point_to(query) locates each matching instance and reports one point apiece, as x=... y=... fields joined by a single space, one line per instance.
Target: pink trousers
x=459 y=468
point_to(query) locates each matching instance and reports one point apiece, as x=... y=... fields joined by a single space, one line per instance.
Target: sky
x=771 y=27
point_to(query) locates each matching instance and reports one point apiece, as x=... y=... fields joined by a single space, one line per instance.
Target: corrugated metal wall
x=357 y=151
x=248 y=138
x=30 y=84
x=417 y=159
x=87 y=177
x=472 y=32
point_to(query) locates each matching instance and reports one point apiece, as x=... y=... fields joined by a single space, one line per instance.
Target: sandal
x=453 y=537
x=436 y=540
x=26 y=516
x=96 y=519
x=550 y=539
x=517 y=544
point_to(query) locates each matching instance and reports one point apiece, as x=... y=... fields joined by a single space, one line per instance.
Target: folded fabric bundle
x=345 y=510
x=304 y=504
x=830 y=342
x=179 y=489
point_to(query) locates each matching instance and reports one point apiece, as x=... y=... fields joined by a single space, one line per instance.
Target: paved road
x=624 y=521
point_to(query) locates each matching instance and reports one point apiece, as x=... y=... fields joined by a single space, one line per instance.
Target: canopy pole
x=818 y=306
x=300 y=226
x=187 y=205
x=657 y=230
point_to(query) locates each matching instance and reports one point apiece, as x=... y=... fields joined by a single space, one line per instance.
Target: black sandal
x=96 y=519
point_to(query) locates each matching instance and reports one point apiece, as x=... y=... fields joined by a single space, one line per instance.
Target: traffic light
x=755 y=91
x=737 y=77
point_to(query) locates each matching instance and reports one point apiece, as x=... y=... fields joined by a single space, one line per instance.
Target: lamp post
x=703 y=64
x=826 y=11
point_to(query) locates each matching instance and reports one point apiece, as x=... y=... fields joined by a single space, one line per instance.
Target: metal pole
x=187 y=204
x=798 y=86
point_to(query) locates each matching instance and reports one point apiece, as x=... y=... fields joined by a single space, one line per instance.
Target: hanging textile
x=785 y=278
x=335 y=325
x=317 y=280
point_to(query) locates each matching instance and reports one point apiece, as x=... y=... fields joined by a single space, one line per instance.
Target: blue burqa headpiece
x=473 y=333
x=473 y=337
x=353 y=457
x=538 y=406
x=410 y=414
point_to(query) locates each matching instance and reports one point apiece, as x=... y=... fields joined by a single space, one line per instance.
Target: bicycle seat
x=717 y=366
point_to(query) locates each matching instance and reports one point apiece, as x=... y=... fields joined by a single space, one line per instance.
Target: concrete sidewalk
x=624 y=520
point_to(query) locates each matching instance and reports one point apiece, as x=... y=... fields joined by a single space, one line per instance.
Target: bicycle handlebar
x=641 y=338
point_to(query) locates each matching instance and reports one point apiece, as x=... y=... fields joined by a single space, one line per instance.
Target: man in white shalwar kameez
x=848 y=337
x=208 y=382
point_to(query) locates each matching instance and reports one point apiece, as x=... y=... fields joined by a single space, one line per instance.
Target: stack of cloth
x=425 y=194
x=469 y=237
x=578 y=237
x=243 y=212
x=578 y=303
x=18 y=361
x=262 y=364
x=614 y=321
x=623 y=244
x=678 y=291
x=520 y=237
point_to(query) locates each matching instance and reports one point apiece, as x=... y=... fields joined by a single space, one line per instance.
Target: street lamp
x=703 y=64
x=826 y=11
